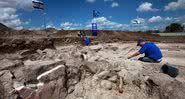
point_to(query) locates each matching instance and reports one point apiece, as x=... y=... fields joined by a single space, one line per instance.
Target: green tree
x=174 y=27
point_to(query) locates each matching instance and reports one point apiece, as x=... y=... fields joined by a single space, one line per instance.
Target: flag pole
x=40 y=6
x=44 y=16
x=94 y=24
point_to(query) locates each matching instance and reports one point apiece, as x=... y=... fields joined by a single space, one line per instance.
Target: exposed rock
x=19 y=74
x=6 y=84
x=53 y=90
x=71 y=89
x=13 y=45
x=160 y=79
x=173 y=90
x=34 y=68
x=6 y=64
x=165 y=87
x=55 y=83
x=27 y=52
x=104 y=74
x=52 y=74
x=123 y=73
x=113 y=78
x=114 y=48
x=128 y=77
x=18 y=85
x=95 y=67
x=73 y=75
x=107 y=85
x=45 y=76
x=25 y=92
x=39 y=51
x=14 y=56
x=97 y=50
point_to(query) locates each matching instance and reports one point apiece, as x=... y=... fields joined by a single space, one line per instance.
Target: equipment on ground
x=170 y=70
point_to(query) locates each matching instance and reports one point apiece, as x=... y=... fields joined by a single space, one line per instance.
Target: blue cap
x=139 y=41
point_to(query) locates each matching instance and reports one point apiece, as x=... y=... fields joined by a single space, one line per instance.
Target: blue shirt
x=151 y=51
x=87 y=41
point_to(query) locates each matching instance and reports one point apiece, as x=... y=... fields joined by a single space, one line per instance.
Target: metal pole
x=44 y=15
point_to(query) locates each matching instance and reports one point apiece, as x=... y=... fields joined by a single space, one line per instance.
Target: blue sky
x=77 y=14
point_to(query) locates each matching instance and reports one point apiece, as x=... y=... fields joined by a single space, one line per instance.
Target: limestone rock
x=6 y=64
x=53 y=90
x=52 y=74
x=103 y=74
x=95 y=67
x=6 y=84
x=113 y=78
x=173 y=90
x=106 y=84
x=34 y=68
x=25 y=92
x=165 y=87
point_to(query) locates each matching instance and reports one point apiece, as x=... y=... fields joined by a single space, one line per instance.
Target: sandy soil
x=87 y=72
x=172 y=53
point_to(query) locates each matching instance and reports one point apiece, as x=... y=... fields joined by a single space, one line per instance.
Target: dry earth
x=33 y=66
x=90 y=72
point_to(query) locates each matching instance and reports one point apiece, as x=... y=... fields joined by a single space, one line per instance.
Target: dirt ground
x=116 y=54
x=37 y=66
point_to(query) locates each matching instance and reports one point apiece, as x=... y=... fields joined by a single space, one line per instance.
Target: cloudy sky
x=77 y=14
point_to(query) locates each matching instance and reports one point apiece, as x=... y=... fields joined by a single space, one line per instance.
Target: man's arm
x=134 y=55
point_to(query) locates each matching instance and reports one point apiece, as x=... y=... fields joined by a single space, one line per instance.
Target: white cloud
x=51 y=25
x=168 y=19
x=8 y=12
x=70 y=26
x=172 y=6
x=35 y=28
x=19 y=27
x=155 y=19
x=114 y=4
x=144 y=7
x=180 y=19
x=91 y=1
x=9 y=17
x=22 y=4
x=104 y=23
x=138 y=24
x=138 y=21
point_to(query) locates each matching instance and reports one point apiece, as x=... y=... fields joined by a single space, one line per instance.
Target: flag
x=94 y=29
x=96 y=13
x=94 y=26
x=38 y=5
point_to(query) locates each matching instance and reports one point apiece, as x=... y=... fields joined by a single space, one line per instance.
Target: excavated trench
x=9 y=45
x=66 y=74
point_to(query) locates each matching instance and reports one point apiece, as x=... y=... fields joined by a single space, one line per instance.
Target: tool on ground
x=120 y=85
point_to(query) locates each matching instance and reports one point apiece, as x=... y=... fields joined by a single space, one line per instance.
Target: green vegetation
x=174 y=27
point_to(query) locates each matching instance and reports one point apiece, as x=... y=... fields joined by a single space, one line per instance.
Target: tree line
x=175 y=27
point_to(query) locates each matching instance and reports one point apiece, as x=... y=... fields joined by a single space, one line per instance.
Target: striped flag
x=38 y=5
